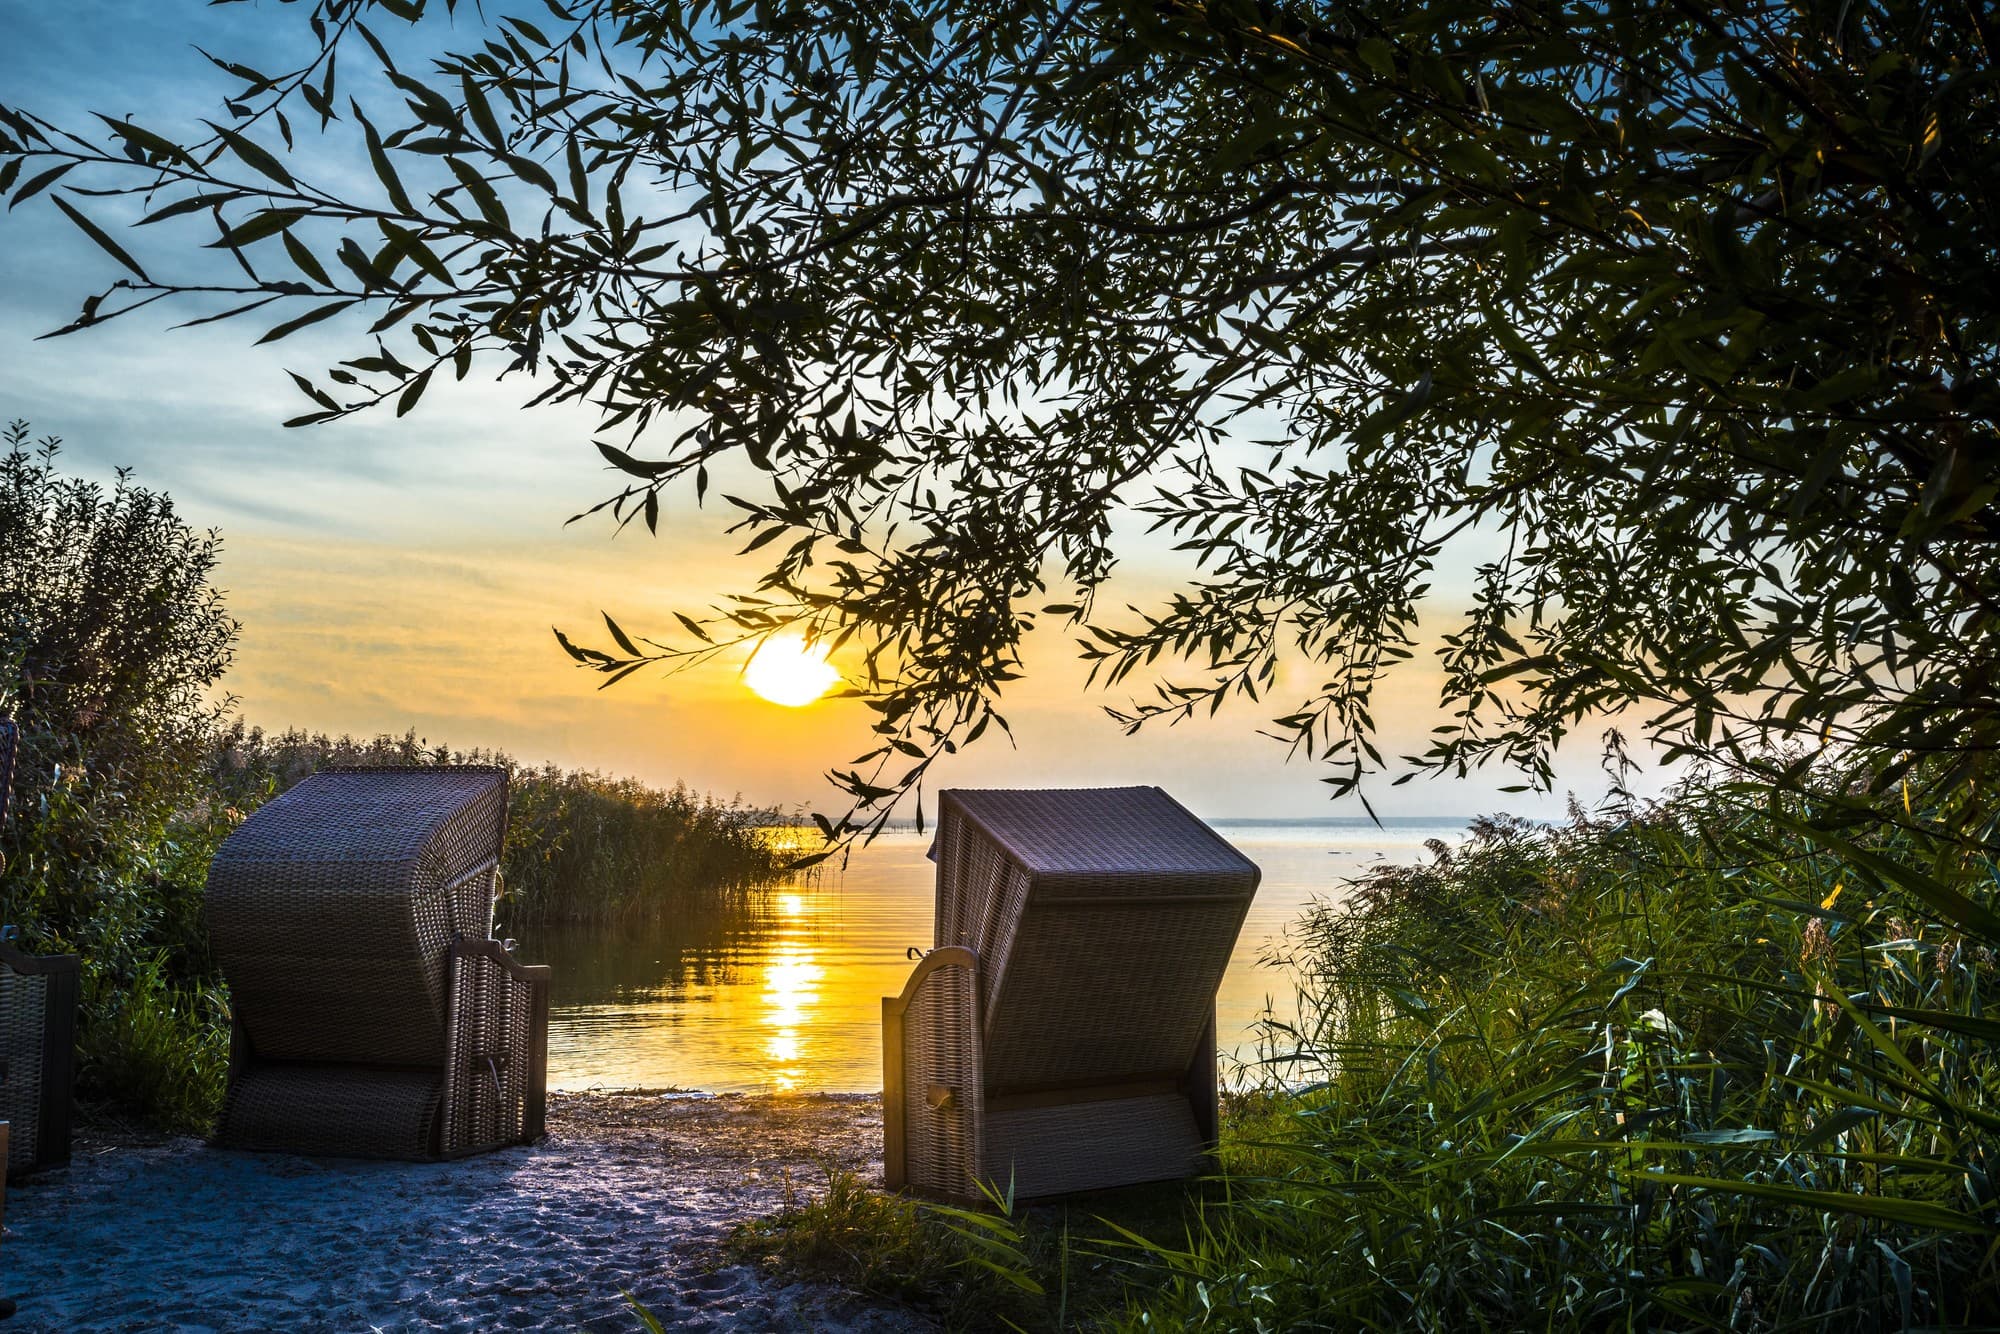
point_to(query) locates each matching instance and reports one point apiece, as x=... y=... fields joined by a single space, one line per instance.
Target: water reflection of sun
x=792 y=978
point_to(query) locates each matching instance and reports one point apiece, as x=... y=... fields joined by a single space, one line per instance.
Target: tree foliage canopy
x=1680 y=317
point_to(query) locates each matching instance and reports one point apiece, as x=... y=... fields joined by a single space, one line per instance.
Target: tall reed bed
x=581 y=847
x=1704 y=1064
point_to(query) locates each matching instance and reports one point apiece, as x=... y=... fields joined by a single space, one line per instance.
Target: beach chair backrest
x=332 y=909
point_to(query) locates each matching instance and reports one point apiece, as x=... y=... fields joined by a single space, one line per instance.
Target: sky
x=405 y=573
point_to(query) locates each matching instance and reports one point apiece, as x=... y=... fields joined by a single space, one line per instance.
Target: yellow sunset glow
x=787 y=670
x=791 y=991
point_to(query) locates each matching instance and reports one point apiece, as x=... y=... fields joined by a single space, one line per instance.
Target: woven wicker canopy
x=1099 y=835
x=443 y=817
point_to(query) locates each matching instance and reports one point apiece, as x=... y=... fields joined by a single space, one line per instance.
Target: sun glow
x=791 y=991
x=788 y=670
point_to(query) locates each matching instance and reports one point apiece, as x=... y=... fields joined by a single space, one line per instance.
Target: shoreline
x=633 y=1190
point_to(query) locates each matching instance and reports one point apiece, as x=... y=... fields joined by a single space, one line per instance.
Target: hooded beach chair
x=1061 y=1035
x=374 y=1015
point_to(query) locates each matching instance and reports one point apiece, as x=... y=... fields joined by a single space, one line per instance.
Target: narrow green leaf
x=308 y=265
x=482 y=191
x=385 y=171
x=263 y=223
x=1916 y=1213
x=325 y=312
x=191 y=204
x=258 y=159
x=624 y=462
x=481 y=111
x=37 y=184
x=531 y=171
x=145 y=139
x=624 y=641
x=97 y=234
x=410 y=395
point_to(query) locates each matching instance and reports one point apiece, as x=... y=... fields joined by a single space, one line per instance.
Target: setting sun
x=788 y=670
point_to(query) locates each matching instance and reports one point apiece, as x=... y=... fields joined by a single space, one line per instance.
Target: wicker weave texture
x=1100 y=834
x=352 y=917
x=38 y=996
x=1099 y=923
x=980 y=894
x=1090 y=1145
x=941 y=1077
x=356 y=881
x=345 y=1111
x=1095 y=995
x=23 y=1026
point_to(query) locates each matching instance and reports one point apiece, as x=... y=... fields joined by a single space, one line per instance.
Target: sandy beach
x=630 y=1191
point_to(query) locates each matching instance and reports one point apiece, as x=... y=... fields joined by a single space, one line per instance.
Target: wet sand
x=630 y=1191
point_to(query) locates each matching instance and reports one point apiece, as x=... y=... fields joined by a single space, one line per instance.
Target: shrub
x=161 y=1048
x=110 y=638
x=1683 y=1065
x=999 y=1268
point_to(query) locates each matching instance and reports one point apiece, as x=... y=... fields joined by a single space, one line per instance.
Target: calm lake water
x=784 y=991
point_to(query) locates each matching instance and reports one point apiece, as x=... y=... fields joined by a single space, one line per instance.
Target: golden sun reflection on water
x=792 y=979
x=782 y=989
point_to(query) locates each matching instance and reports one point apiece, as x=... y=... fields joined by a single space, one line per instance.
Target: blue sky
x=405 y=573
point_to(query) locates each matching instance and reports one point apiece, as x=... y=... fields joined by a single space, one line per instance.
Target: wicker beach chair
x=38 y=996
x=374 y=1014
x=1061 y=1035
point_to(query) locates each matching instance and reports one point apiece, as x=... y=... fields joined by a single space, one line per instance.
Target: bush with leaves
x=110 y=640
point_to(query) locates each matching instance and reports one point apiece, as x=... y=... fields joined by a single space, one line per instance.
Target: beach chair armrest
x=500 y=1036
x=931 y=1088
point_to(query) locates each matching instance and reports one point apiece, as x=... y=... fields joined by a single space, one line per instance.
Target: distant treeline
x=581 y=847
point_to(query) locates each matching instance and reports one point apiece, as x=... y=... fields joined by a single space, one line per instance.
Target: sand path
x=629 y=1191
